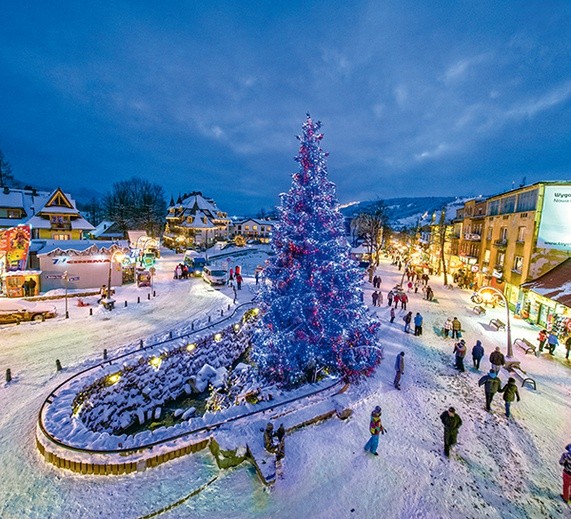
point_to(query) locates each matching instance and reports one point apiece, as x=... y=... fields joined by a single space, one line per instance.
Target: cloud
x=533 y=106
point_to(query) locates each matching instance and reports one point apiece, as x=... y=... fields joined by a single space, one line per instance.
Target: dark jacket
x=460 y=350
x=491 y=384
x=566 y=461
x=478 y=350
x=497 y=358
x=408 y=318
x=451 y=425
x=510 y=392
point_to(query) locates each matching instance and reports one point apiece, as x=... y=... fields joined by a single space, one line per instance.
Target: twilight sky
x=416 y=98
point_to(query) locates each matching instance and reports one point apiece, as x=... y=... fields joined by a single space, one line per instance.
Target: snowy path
x=499 y=469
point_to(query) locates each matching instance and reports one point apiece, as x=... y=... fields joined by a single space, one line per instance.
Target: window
x=14 y=213
x=490 y=231
x=487 y=256
x=493 y=208
x=504 y=233
x=61 y=237
x=246 y=227
x=507 y=204
x=518 y=264
x=255 y=227
x=500 y=259
x=527 y=201
x=521 y=234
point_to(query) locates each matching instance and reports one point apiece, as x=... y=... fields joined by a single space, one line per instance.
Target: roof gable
x=58 y=199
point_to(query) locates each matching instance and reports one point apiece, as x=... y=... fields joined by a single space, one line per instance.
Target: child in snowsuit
x=510 y=394
x=375 y=428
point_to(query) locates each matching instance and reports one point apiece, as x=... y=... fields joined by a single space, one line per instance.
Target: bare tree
x=370 y=225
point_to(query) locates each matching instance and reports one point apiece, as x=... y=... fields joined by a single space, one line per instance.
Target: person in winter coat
x=460 y=351
x=542 y=337
x=552 y=342
x=239 y=280
x=375 y=297
x=392 y=315
x=399 y=369
x=390 y=296
x=452 y=422
x=375 y=428
x=397 y=299
x=492 y=384
x=568 y=347
x=407 y=320
x=380 y=299
x=418 y=324
x=416 y=286
x=447 y=327
x=510 y=394
x=477 y=354
x=565 y=461
x=456 y=327
x=497 y=359
x=403 y=300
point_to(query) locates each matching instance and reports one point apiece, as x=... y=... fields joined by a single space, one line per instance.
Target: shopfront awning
x=555 y=284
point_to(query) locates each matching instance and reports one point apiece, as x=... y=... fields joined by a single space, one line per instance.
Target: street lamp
x=486 y=296
x=120 y=255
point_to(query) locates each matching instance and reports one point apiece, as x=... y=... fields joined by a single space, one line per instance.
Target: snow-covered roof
x=80 y=223
x=46 y=246
x=555 y=284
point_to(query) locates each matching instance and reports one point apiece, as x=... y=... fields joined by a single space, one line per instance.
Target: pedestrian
x=397 y=299
x=429 y=293
x=460 y=351
x=542 y=337
x=31 y=287
x=568 y=346
x=497 y=359
x=269 y=444
x=416 y=286
x=407 y=320
x=392 y=315
x=565 y=461
x=409 y=285
x=380 y=299
x=257 y=276
x=26 y=288
x=403 y=300
x=447 y=327
x=177 y=272
x=456 y=328
x=492 y=384
x=452 y=422
x=552 y=342
x=375 y=428
x=239 y=281
x=418 y=324
x=477 y=354
x=280 y=433
x=390 y=296
x=102 y=293
x=510 y=394
x=400 y=265
x=399 y=369
x=231 y=274
x=375 y=297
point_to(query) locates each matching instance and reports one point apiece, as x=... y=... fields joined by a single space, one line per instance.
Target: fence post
x=221 y=313
x=141 y=344
x=209 y=318
x=58 y=365
x=105 y=354
x=170 y=334
x=149 y=296
x=8 y=375
x=138 y=299
x=154 y=294
x=91 y=311
x=125 y=304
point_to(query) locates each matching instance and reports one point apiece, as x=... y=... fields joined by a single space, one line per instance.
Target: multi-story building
x=252 y=229
x=195 y=220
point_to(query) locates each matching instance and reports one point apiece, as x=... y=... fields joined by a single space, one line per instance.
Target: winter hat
x=377 y=411
x=462 y=341
x=492 y=374
x=269 y=427
x=511 y=380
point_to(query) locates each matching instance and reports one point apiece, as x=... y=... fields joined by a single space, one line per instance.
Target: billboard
x=15 y=243
x=555 y=225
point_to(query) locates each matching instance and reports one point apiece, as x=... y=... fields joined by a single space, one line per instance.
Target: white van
x=214 y=275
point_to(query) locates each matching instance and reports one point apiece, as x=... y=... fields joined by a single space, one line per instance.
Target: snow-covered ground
x=500 y=468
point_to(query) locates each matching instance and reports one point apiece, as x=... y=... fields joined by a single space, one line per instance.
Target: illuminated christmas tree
x=313 y=318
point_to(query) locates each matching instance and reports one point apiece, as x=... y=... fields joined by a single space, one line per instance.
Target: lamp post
x=485 y=293
x=111 y=259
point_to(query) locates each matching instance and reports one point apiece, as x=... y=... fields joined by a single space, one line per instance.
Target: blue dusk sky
x=417 y=98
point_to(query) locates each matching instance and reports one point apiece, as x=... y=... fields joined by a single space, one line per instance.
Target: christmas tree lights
x=313 y=318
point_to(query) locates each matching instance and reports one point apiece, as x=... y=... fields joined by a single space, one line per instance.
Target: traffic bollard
x=149 y=297
x=138 y=299
x=141 y=343
x=105 y=354
x=58 y=365
x=91 y=311
x=125 y=304
x=8 y=375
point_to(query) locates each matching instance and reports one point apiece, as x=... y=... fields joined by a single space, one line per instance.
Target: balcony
x=501 y=244
x=60 y=227
x=470 y=236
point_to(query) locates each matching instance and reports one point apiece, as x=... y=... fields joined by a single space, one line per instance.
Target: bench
x=525 y=345
x=513 y=368
x=498 y=324
x=480 y=310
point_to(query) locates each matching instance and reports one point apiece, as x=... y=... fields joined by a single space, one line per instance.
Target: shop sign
x=15 y=242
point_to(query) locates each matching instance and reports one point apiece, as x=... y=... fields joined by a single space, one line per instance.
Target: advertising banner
x=15 y=243
x=555 y=225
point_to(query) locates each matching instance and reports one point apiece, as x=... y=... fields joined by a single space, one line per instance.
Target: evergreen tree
x=313 y=318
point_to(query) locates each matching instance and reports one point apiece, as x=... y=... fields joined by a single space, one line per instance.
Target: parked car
x=215 y=276
x=15 y=311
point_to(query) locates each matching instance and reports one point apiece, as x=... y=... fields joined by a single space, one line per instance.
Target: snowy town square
x=278 y=261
